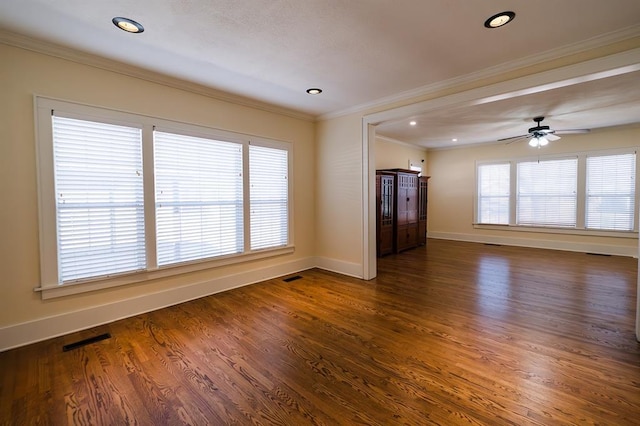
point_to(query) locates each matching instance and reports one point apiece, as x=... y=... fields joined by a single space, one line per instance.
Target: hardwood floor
x=455 y=333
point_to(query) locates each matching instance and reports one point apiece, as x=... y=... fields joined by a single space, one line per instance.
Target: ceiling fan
x=540 y=135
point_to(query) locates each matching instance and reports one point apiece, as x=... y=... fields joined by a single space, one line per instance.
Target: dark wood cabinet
x=401 y=197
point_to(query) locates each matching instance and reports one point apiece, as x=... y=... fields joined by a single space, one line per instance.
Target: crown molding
x=399 y=142
x=84 y=58
x=560 y=52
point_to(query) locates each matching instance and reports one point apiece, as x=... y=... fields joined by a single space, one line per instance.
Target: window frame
x=580 y=228
x=49 y=287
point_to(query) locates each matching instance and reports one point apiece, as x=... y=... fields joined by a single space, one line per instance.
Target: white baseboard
x=615 y=250
x=339 y=266
x=45 y=328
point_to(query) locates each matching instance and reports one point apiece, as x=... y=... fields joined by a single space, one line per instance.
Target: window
x=585 y=192
x=121 y=193
x=99 y=198
x=611 y=191
x=547 y=192
x=269 y=197
x=493 y=193
x=199 y=212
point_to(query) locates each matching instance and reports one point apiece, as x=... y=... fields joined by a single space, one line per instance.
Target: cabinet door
x=422 y=210
x=385 y=211
x=404 y=198
x=407 y=199
x=412 y=199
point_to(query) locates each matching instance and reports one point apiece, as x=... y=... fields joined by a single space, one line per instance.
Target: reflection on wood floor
x=451 y=333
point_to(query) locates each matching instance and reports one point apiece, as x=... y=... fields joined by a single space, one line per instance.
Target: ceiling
x=360 y=52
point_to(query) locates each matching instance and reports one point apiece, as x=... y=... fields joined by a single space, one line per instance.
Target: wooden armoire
x=401 y=212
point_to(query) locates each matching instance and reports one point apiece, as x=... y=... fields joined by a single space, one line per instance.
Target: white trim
x=496 y=70
x=57 y=325
x=399 y=142
x=594 y=69
x=67 y=289
x=638 y=302
x=369 y=259
x=84 y=58
x=608 y=249
x=339 y=266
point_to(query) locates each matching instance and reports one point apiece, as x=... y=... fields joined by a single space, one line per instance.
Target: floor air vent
x=289 y=279
x=85 y=342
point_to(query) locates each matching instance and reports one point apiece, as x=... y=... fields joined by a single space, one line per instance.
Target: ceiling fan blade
x=572 y=131
x=514 y=137
x=552 y=137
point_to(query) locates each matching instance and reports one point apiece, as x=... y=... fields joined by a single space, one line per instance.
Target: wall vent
x=289 y=279
x=85 y=342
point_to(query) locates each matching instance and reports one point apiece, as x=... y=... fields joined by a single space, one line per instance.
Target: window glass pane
x=547 y=192
x=99 y=198
x=198 y=198
x=269 y=197
x=611 y=191
x=493 y=193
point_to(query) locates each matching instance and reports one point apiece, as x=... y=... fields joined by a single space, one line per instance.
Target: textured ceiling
x=360 y=52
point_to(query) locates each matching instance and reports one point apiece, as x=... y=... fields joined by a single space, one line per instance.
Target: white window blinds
x=611 y=191
x=99 y=199
x=269 y=196
x=547 y=192
x=199 y=199
x=493 y=193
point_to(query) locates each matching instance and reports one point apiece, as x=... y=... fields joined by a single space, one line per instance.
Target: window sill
x=51 y=292
x=558 y=230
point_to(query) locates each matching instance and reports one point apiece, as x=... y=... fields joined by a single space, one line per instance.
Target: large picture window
x=121 y=193
x=585 y=192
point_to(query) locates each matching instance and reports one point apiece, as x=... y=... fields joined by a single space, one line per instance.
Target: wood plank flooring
x=452 y=333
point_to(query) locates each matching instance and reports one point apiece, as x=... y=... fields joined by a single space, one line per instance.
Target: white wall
x=339 y=229
x=396 y=155
x=452 y=186
x=24 y=316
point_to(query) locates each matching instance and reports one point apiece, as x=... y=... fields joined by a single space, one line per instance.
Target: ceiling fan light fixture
x=128 y=25
x=538 y=141
x=499 y=19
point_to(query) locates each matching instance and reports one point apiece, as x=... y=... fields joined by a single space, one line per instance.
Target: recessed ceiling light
x=128 y=25
x=454 y=140
x=314 y=91
x=412 y=123
x=499 y=19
